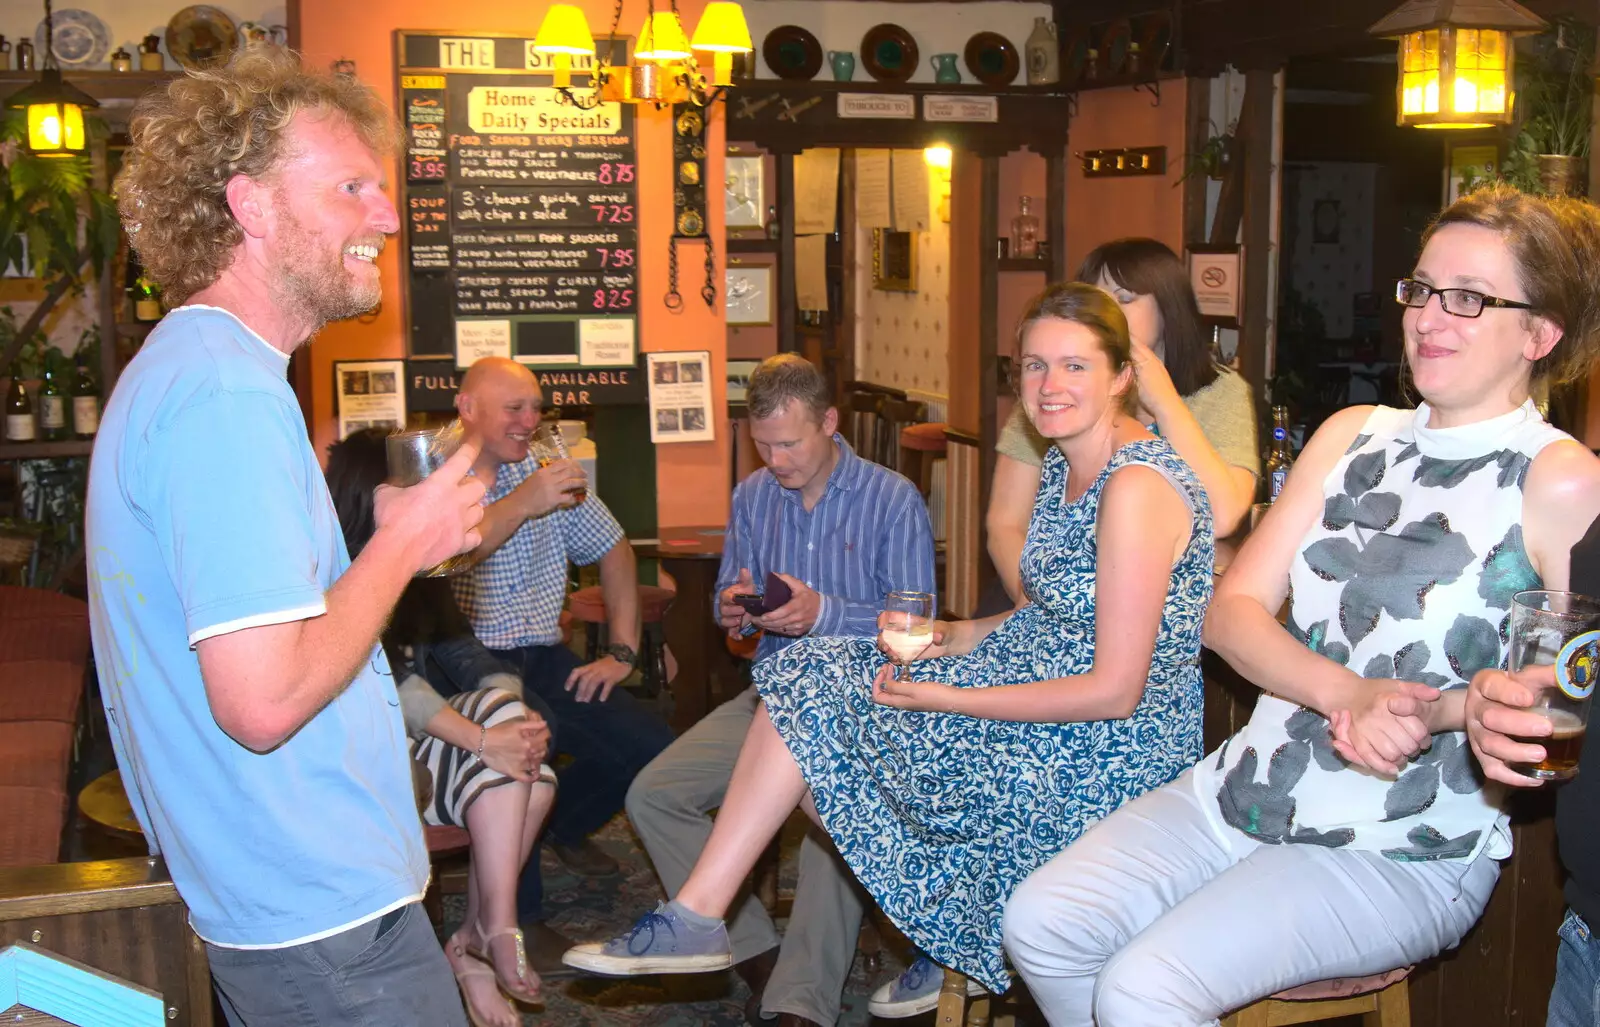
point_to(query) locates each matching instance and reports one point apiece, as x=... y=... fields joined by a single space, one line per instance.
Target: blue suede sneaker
x=661 y=942
x=915 y=991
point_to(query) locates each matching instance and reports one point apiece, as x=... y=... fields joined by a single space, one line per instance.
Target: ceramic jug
x=1044 y=54
x=844 y=65
x=944 y=68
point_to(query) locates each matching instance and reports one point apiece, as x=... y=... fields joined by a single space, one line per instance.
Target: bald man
x=533 y=528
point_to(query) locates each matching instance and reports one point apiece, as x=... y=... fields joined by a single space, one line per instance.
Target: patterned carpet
x=593 y=908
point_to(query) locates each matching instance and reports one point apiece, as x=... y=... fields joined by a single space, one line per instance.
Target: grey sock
x=693 y=919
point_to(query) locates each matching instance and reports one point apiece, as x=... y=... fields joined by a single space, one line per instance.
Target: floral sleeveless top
x=1409 y=575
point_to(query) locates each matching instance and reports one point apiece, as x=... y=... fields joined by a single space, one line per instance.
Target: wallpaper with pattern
x=903 y=338
x=1328 y=229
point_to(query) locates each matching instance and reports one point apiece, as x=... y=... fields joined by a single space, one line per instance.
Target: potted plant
x=1557 y=100
x=1214 y=156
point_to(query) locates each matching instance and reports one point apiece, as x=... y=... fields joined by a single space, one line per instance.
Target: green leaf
x=1364 y=473
x=1333 y=559
x=1506 y=571
x=1471 y=645
x=1447 y=474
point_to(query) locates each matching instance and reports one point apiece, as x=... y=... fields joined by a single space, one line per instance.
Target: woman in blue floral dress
x=942 y=793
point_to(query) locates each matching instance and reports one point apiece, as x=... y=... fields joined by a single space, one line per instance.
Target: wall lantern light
x=1456 y=60
x=55 y=107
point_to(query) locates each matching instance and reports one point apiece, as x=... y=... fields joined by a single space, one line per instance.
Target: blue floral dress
x=941 y=816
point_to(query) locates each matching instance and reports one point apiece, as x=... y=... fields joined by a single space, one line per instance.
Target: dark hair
x=778 y=379
x=357 y=465
x=1148 y=267
x=1095 y=309
x=1555 y=242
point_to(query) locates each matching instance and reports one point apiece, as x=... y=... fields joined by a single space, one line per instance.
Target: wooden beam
x=988 y=354
x=1255 y=124
x=1055 y=213
x=788 y=314
x=1197 y=119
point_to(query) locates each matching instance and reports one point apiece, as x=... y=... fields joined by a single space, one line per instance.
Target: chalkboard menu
x=521 y=210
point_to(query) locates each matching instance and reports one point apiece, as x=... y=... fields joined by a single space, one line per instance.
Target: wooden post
x=788 y=313
x=1197 y=116
x=989 y=351
x=1255 y=125
x=1055 y=211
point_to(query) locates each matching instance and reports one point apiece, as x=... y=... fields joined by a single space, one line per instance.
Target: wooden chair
x=1383 y=1000
x=443 y=843
x=588 y=607
x=921 y=447
x=956 y=1009
x=865 y=418
x=898 y=414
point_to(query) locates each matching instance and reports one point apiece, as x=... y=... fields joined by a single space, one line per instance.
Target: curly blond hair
x=190 y=139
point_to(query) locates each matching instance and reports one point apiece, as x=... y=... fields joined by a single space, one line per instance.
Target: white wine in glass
x=907 y=628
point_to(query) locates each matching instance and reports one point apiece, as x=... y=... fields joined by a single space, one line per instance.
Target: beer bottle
x=85 y=403
x=52 y=408
x=1279 y=459
x=19 y=415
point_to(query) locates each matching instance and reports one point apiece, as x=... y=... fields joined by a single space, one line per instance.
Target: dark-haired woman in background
x=1203 y=410
x=483 y=748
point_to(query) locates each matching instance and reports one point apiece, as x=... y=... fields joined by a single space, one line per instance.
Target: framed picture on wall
x=744 y=192
x=739 y=372
x=749 y=292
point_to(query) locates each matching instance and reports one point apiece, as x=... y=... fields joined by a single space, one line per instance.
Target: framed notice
x=369 y=394
x=1214 y=272
x=521 y=210
x=680 y=397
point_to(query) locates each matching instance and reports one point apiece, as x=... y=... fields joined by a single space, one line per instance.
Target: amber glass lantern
x=1456 y=61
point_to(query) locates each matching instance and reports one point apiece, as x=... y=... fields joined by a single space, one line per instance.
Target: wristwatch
x=621 y=653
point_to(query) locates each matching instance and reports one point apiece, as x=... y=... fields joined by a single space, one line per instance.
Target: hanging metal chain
x=673 y=299
x=708 y=292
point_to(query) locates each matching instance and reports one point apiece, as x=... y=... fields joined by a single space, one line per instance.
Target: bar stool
x=443 y=842
x=588 y=607
x=1382 y=1000
x=957 y=1010
x=921 y=446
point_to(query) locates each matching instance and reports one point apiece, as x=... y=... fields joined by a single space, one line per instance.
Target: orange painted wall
x=1110 y=208
x=692 y=477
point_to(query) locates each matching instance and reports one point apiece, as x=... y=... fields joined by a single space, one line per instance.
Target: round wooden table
x=105 y=802
x=707 y=673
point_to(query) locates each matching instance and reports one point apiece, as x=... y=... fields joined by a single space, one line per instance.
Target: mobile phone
x=752 y=602
x=757 y=604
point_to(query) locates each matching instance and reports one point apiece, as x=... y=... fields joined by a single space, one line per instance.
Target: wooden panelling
x=963 y=544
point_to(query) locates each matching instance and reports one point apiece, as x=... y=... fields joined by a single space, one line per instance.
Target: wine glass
x=907 y=628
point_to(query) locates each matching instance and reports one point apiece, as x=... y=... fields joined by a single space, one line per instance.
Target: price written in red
x=613 y=299
x=612 y=213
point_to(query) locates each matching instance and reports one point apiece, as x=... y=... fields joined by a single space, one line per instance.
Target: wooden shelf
x=761 y=245
x=45 y=450
x=1040 y=264
x=105 y=86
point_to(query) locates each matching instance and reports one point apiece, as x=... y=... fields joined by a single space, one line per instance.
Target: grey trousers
x=669 y=804
x=387 y=972
x=1159 y=917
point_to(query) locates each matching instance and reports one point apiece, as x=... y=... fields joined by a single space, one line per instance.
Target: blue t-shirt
x=208 y=513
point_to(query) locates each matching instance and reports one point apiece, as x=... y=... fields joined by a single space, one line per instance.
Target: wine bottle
x=85 y=403
x=52 y=408
x=19 y=415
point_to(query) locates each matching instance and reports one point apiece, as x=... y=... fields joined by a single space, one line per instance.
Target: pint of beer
x=1560 y=629
x=413 y=455
x=549 y=445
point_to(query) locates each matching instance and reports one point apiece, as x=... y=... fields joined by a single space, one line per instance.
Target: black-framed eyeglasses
x=1460 y=302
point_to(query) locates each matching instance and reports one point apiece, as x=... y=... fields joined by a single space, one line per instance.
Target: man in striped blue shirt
x=840 y=532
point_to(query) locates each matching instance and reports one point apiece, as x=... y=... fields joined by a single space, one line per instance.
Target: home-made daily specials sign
x=521 y=210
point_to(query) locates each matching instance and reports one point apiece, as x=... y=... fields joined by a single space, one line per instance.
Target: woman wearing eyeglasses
x=1346 y=831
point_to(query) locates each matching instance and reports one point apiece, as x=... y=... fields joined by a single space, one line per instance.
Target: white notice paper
x=478 y=339
x=371 y=394
x=816 y=191
x=605 y=341
x=680 y=397
x=910 y=172
x=872 y=189
x=811 y=272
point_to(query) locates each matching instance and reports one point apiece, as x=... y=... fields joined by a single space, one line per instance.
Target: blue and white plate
x=81 y=39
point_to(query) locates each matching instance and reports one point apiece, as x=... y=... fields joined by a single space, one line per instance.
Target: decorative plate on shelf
x=81 y=39
x=992 y=59
x=1074 y=56
x=198 y=35
x=1155 y=38
x=792 y=53
x=1114 y=47
x=889 y=53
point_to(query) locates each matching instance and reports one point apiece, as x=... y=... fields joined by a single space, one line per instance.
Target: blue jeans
x=1575 y=999
x=387 y=972
x=609 y=743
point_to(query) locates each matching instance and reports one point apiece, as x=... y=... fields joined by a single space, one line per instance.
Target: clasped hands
x=1383 y=723
x=516 y=747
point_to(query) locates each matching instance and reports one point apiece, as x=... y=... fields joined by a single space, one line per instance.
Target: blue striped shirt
x=867 y=536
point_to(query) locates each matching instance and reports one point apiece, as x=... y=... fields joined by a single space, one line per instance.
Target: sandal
x=479 y=949
x=476 y=969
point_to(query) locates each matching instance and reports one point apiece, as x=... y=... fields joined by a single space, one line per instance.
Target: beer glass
x=548 y=445
x=1560 y=629
x=413 y=455
x=907 y=628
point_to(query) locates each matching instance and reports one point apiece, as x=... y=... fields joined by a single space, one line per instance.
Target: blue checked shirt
x=867 y=536
x=514 y=597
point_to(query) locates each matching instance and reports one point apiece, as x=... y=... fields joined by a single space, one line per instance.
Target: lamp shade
x=564 y=30
x=662 y=38
x=55 y=115
x=722 y=29
x=1456 y=60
